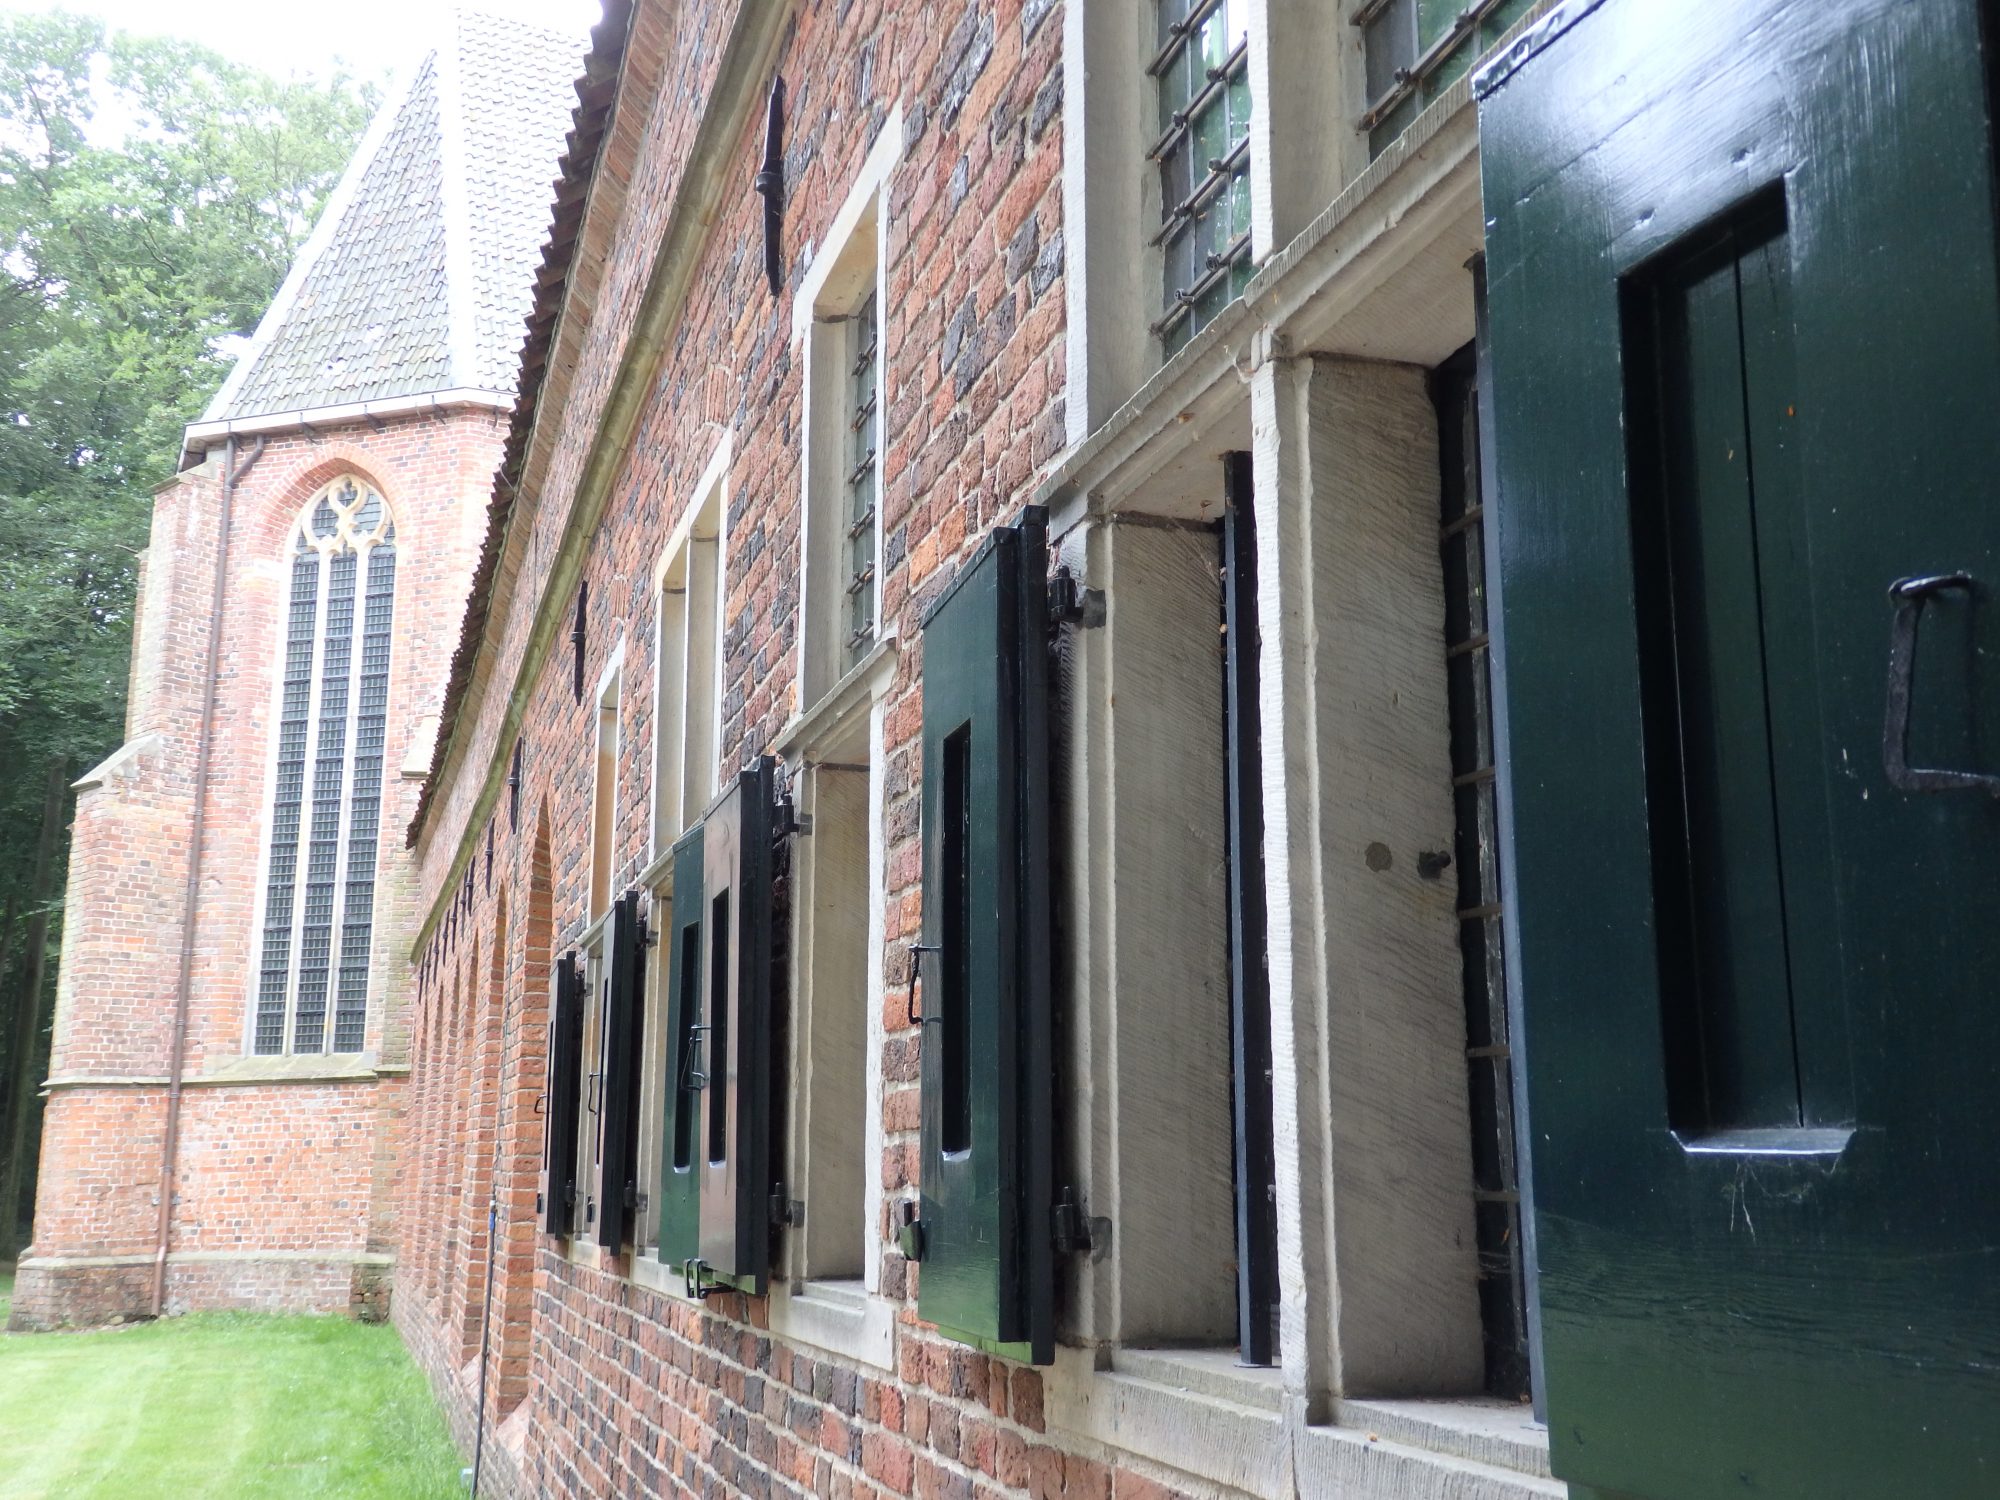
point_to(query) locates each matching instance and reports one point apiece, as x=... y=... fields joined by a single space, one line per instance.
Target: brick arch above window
x=324 y=828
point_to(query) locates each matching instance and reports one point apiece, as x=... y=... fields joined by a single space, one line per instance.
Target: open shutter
x=735 y=1159
x=560 y=1098
x=687 y=1064
x=624 y=1047
x=987 y=1155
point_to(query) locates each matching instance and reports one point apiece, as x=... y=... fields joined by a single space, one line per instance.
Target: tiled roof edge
x=597 y=94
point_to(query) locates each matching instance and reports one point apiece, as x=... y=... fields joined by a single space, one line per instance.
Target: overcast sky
x=374 y=37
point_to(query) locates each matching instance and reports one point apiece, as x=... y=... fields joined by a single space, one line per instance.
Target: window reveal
x=1489 y=1050
x=863 y=378
x=1202 y=71
x=334 y=699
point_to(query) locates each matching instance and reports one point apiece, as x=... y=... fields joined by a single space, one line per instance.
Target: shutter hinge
x=790 y=1211
x=1074 y=1232
x=1070 y=603
x=634 y=1199
x=786 y=820
x=910 y=1237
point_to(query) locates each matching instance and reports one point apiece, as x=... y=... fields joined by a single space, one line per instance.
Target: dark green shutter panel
x=686 y=1061
x=624 y=1050
x=987 y=1157
x=734 y=1165
x=1745 y=319
x=561 y=1098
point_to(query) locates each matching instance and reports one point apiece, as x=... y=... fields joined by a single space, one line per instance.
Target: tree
x=152 y=194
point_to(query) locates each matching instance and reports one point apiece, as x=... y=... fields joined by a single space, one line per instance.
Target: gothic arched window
x=326 y=798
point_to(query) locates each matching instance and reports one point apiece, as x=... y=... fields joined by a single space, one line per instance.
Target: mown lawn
x=222 y=1404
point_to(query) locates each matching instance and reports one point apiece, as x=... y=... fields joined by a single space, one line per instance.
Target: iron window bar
x=863 y=467
x=1178 y=33
x=861 y=579
x=1219 y=79
x=1219 y=266
x=1368 y=10
x=1410 y=79
x=1220 y=171
x=867 y=356
x=861 y=523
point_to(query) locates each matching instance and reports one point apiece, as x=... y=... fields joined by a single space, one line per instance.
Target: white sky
x=374 y=37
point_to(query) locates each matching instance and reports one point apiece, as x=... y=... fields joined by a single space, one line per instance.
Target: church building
x=232 y=1017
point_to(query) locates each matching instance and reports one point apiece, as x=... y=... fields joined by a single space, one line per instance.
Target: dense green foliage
x=220 y=1404
x=151 y=196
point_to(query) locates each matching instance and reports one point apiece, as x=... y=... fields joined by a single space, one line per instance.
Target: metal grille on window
x=320 y=876
x=1496 y=1174
x=1415 y=49
x=1202 y=70
x=863 y=379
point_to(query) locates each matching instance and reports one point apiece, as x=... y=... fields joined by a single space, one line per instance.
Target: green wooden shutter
x=1745 y=317
x=987 y=1157
x=734 y=1165
x=624 y=1049
x=560 y=1099
x=680 y=1140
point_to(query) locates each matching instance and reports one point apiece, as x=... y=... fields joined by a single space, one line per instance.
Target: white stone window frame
x=842 y=272
x=689 y=608
x=281 y=566
x=1396 y=238
x=604 y=832
x=689 y=615
x=1306 y=72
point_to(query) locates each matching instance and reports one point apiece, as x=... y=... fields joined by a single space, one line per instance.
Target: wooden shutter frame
x=1019 y=1070
x=562 y=1098
x=678 y=1211
x=735 y=1233
x=617 y=1188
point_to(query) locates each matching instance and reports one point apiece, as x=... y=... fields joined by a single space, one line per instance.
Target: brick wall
x=630 y=1390
x=283 y=1168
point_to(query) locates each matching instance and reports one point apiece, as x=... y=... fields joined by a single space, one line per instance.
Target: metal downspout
x=204 y=746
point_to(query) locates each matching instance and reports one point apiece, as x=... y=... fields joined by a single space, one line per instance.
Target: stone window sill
x=1202 y=1413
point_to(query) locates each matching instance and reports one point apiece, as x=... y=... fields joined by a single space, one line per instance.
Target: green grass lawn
x=221 y=1404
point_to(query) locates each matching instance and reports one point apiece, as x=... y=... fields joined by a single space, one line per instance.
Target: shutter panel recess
x=716 y=1175
x=561 y=1098
x=624 y=1047
x=987 y=1157
x=680 y=1144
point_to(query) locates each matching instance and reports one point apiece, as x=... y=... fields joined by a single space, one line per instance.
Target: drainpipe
x=232 y=474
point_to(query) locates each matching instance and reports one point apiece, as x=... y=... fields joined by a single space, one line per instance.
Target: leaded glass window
x=326 y=795
x=863 y=380
x=1202 y=69
x=1416 y=49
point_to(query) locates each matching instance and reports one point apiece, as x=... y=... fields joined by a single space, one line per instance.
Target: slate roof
x=420 y=274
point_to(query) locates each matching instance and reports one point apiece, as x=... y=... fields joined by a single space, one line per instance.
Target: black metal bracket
x=694 y=1279
x=786 y=821
x=910 y=1236
x=1074 y=1232
x=1070 y=603
x=769 y=184
x=917 y=952
x=1909 y=595
x=634 y=1199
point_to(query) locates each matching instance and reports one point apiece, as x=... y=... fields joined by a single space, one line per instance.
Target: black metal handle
x=917 y=952
x=694 y=1073
x=1909 y=595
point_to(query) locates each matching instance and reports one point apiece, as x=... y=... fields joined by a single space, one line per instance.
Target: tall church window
x=326 y=795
